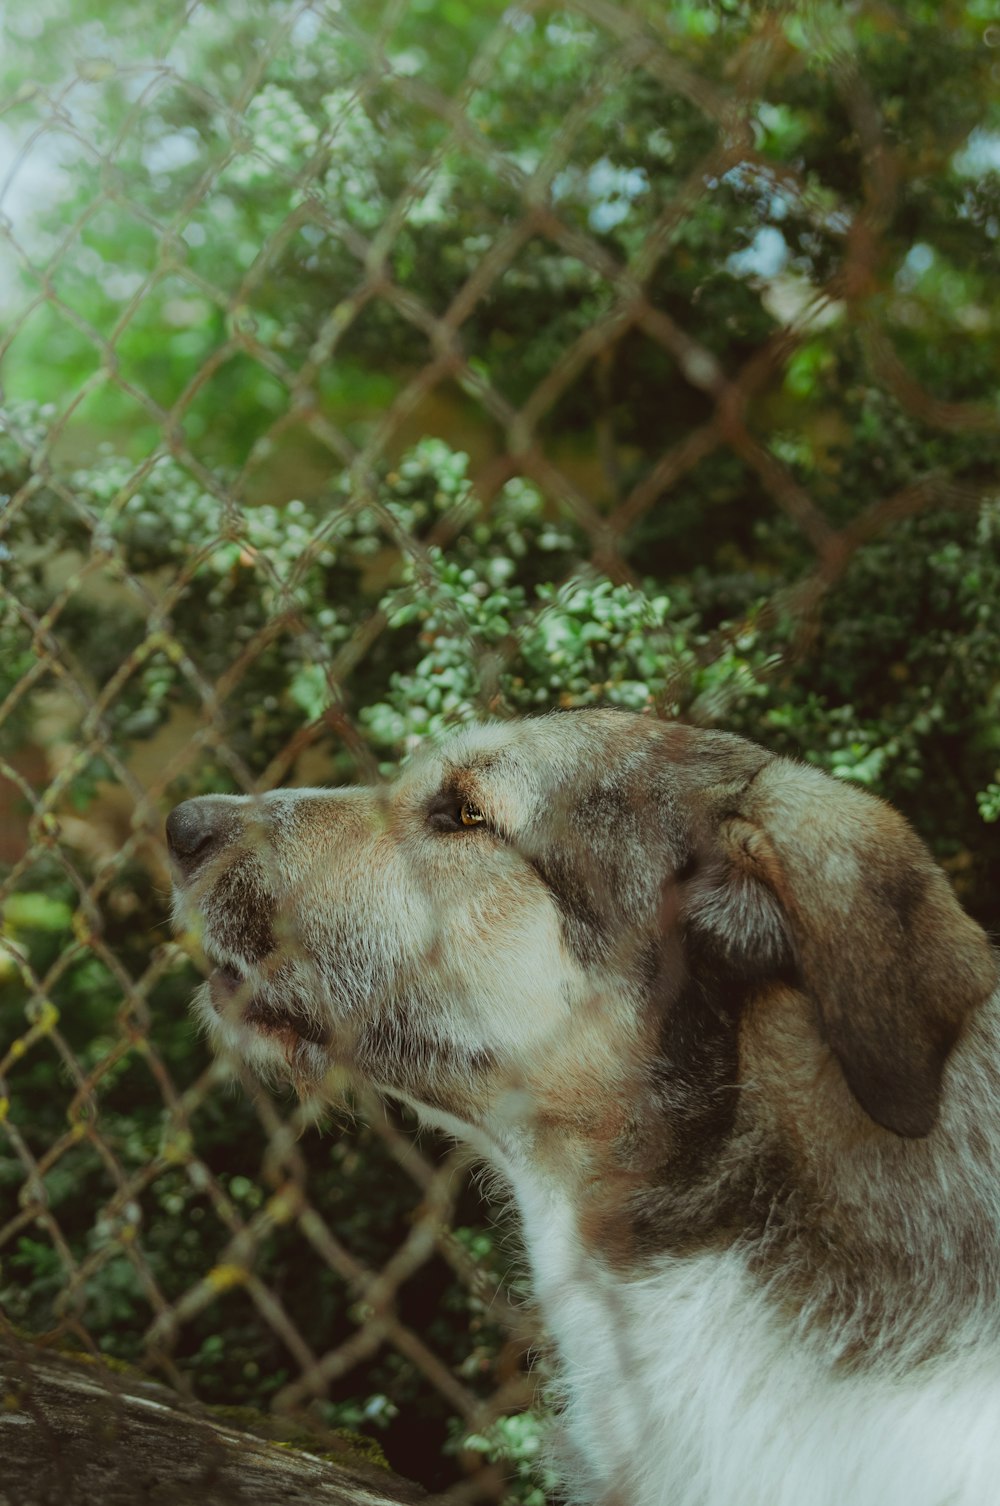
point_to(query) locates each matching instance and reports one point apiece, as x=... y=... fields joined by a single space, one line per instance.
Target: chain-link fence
x=371 y=369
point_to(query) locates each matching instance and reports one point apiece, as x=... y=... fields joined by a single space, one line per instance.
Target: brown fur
x=715 y=994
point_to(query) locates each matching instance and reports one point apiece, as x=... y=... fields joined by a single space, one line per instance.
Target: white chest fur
x=683 y=1388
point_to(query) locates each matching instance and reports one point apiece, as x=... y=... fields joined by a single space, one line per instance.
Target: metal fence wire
x=160 y=598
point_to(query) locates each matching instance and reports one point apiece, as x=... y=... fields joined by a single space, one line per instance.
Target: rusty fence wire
x=85 y=792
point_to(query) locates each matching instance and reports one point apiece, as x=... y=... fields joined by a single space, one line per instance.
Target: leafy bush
x=467 y=625
x=193 y=575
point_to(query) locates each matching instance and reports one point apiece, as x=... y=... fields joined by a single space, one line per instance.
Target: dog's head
x=544 y=920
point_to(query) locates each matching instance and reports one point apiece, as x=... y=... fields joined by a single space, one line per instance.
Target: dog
x=723 y=1029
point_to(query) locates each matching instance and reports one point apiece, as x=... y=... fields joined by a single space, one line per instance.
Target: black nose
x=195 y=830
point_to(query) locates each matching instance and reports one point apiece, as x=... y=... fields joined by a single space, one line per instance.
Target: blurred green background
x=343 y=348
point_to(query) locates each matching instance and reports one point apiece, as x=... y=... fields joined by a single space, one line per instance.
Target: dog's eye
x=449 y=812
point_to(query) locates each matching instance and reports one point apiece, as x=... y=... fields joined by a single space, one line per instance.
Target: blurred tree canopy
x=345 y=348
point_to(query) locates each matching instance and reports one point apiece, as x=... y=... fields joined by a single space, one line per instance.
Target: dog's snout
x=195 y=829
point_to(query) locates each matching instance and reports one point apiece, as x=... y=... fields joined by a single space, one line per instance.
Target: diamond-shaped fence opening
x=370 y=370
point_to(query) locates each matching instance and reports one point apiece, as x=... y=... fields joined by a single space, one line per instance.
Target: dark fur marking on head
x=699 y=992
x=243 y=911
x=593 y=844
x=584 y=927
x=269 y=1016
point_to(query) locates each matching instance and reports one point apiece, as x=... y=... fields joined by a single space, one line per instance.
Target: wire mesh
x=100 y=1199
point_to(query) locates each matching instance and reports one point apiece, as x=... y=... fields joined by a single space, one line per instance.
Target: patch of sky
x=165 y=154
x=607 y=189
x=978 y=155
x=766 y=255
x=306 y=27
x=918 y=260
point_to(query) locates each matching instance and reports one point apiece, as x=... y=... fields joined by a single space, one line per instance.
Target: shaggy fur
x=722 y=1027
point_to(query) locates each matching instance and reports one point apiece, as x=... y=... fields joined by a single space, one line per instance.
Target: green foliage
x=517 y=1441
x=472 y=625
x=217 y=332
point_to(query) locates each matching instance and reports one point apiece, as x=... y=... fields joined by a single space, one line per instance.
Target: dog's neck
x=677 y=1383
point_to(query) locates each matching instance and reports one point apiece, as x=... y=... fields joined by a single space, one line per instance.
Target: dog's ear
x=894 y=975
x=877 y=939
x=734 y=925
